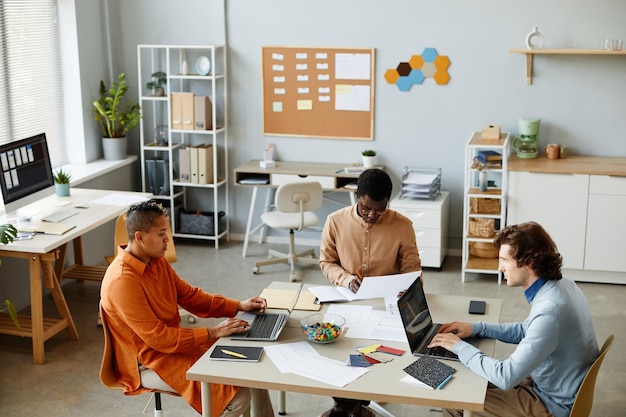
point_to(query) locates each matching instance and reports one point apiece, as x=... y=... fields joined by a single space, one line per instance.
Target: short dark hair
x=142 y=216
x=374 y=183
x=532 y=246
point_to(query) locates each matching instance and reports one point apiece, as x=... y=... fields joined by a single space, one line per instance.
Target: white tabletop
x=382 y=383
x=114 y=203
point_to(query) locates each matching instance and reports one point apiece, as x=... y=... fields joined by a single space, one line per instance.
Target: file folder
x=162 y=177
x=177 y=111
x=184 y=162
x=193 y=158
x=151 y=176
x=205 y=164
x=188 y=112
x=203 y=116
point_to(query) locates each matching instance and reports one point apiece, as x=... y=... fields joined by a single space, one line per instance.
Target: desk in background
x=382 y=383
x=332 y=177
x=46 y=255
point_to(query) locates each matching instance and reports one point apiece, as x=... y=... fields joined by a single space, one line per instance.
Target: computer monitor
x=26 y=173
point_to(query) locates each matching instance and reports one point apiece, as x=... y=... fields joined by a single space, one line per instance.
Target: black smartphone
x=477 y=307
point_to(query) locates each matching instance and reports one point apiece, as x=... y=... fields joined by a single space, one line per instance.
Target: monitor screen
x=26 y=172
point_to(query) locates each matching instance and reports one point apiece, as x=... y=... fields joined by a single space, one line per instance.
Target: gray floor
x=68 y=384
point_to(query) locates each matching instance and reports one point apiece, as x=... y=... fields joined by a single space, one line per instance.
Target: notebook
x=236 y=353
x=47 y=228
x=265 y=326
x=419 y=326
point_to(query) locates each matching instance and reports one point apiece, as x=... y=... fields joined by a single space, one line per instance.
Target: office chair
x=109 y=379
x=295 y=204
x=584 y=397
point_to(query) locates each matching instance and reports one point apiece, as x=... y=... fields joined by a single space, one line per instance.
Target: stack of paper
x=421 y=183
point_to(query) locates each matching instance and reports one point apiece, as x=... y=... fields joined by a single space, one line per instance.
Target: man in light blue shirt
x=556 y=344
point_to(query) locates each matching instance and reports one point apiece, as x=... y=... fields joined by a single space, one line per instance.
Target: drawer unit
x=430 y=222
x=328 y=183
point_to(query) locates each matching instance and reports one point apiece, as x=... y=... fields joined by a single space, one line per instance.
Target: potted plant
x=8 y=232
x=369 y=157
x=159 y=79
x=115 y=118
x=62 y=182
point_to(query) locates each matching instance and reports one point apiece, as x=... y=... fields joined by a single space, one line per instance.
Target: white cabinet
x=484 y=212
x=199 y=71
x=430 y=221
x=606 y=224
x=558 y=202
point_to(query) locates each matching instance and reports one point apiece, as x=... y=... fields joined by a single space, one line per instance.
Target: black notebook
x=236 y=353
x=430 y=371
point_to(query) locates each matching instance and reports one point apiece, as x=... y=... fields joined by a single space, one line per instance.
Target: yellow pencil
x=235 y=354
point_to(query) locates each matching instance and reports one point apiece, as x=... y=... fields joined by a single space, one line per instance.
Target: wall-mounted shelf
x=569 y=51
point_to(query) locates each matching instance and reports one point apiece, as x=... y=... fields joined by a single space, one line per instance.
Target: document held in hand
x=371 y=287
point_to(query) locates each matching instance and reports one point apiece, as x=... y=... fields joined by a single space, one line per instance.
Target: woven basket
x=484 y=205
x=481 y=227
x=483 y=250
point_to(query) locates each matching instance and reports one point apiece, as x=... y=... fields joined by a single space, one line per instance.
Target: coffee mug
x=562 y=151
x=552 y=151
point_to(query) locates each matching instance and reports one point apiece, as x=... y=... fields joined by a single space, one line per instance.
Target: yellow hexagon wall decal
x=442 y=77
x=416 y=62
x=391 y=75
x=442 y=62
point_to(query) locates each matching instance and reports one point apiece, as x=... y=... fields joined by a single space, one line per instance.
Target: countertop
x=573 y=164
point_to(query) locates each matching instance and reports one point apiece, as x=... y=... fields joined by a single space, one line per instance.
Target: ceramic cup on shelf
x=562 y=151
x=552 y=151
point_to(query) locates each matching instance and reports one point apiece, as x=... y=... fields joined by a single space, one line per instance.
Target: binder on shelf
x=205 y=164
x=150 y=176
x=203 y=117
x=188 y=112
x=162 y=177
x=177 y=110
x=193 y=158
x=184 y=162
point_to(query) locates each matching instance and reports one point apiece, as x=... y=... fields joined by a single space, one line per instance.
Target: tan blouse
x=350 y=246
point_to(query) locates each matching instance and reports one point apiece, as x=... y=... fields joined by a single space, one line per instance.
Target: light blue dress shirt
x=556 y=345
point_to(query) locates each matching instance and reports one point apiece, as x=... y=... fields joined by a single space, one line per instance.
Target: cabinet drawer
x=605 y=184
x=427 y=237
x=422 y=218
x=431 y=257
x=328 y=183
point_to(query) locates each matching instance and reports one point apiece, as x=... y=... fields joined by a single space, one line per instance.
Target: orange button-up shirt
x=140 y=305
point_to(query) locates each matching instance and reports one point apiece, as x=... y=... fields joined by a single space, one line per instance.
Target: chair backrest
x=299 y=197
x=584 y=396
x=121 y=238
x=107 y=366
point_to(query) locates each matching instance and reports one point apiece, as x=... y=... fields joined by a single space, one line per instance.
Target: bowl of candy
x=322 y=327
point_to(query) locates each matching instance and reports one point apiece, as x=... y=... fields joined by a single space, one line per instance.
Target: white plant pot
x=114 y=148
x=62 y=190
x=369 y=161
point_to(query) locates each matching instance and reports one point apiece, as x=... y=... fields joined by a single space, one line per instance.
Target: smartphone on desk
x=477 y=307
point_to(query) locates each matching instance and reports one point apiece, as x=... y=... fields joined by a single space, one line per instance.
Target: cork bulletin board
x=318 y=92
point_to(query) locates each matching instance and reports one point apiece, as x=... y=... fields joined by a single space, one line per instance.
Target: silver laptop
x=419 y=326
x=265 y=326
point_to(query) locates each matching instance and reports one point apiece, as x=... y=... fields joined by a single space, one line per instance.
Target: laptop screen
x=415 y=314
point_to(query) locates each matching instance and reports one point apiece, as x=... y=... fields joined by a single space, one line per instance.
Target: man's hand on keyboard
x=228 y=327
x=253 y=304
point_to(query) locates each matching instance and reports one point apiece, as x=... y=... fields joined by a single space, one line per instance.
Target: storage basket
x=483 y=250
x=480 y=227
x=200 y=222
x=484 y=205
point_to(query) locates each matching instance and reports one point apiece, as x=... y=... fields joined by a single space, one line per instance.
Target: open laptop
x=265 y=326
x=419 y=326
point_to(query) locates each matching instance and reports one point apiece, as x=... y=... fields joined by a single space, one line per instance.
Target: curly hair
x=374 y=183
x=532 y=246
x=142 y=216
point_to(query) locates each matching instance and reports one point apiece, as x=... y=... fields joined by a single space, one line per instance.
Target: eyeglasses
x=368 y=212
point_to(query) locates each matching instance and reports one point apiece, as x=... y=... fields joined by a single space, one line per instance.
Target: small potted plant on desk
x=369 y=158
x=62 y=182
x=159 y=79
x=8 y=232
x=115 y=118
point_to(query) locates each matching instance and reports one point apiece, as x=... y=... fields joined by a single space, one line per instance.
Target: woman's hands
x=253 y=304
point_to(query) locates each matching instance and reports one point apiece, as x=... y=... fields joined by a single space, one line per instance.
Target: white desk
x=382 y=383
x=44 y=251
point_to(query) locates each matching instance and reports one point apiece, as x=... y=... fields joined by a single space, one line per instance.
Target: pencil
x=235 y=354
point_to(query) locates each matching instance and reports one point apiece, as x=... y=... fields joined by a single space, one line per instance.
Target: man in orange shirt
x=140 y=298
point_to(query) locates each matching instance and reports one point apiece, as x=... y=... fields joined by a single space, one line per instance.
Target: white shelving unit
x=156 y=111
x=497 y=190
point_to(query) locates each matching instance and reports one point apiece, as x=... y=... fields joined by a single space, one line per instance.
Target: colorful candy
x=322 y=332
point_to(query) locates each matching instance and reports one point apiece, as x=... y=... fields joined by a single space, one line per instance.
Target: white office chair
x=295 y=204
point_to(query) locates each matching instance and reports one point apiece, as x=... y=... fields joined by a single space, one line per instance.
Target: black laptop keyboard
x=263 y=325
x=436 y=351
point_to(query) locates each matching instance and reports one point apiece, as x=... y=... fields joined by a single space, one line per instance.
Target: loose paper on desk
x=370 y=324
x=330 y=371
x=286 y=355
x=371 y=287
x=119 y=199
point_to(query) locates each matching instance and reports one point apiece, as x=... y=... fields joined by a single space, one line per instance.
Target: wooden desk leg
x=36 y=309
x=205 y=391
x=468 y=413
x=246 y=237
x=254 y=403
x=59 y=299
